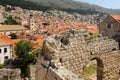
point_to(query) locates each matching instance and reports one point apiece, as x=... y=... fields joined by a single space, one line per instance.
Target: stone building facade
x=110 y=26
x=68 y=53
x=10 y=74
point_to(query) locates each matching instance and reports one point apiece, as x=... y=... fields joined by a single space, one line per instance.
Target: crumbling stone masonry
x=10 y=74
x=64 y=57
x=32 y=69
x=54 y=72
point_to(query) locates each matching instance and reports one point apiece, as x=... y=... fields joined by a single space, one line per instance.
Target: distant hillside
x=66 y=5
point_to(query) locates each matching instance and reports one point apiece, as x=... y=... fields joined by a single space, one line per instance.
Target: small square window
x=109 y=25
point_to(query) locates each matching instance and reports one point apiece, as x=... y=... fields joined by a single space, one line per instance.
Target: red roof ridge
x=115 y=16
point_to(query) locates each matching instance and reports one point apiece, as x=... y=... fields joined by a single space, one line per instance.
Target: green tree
x=13 y=36
x=25 y=57
x=10 y=21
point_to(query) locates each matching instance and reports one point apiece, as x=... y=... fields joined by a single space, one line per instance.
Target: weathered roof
x=116 y=17
x=4 y=43
x=12 y=27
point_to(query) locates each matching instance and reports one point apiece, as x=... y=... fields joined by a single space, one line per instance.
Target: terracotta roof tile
x=7 y=39
x=4 y=43
x=117 y=17
x=57 y=25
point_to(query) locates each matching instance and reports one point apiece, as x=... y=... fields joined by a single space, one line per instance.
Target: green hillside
x=66 y=5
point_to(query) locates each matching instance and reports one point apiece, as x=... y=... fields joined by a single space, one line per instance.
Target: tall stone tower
x=32 y=24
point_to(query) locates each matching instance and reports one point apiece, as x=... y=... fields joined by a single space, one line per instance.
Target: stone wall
x=48 y=70
x=71 y=51
x=32 y=70
x=10 y=74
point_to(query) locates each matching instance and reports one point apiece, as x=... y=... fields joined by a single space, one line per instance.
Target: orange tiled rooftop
x=4 y=43
x=117 y=17
x=59 y=26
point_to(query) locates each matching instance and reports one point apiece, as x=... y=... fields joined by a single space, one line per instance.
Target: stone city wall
x=47 y=70
x=72 y=51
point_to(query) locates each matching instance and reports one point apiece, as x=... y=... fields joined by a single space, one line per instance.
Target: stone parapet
x=10 y=74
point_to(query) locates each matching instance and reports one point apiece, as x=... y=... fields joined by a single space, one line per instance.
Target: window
x=60 y=59
x=6 y=57
x=0 y=50
x=46 y=24
x=109 y=25
x=102 y=34
x=5 y=50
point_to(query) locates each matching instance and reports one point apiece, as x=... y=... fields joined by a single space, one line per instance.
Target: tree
x=23 y=50
x=13 y=36
x=10 y=21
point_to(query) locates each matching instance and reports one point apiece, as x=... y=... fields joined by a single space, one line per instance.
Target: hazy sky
x=114 y=4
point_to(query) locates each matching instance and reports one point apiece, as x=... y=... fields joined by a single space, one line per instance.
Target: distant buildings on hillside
x=33 y=24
